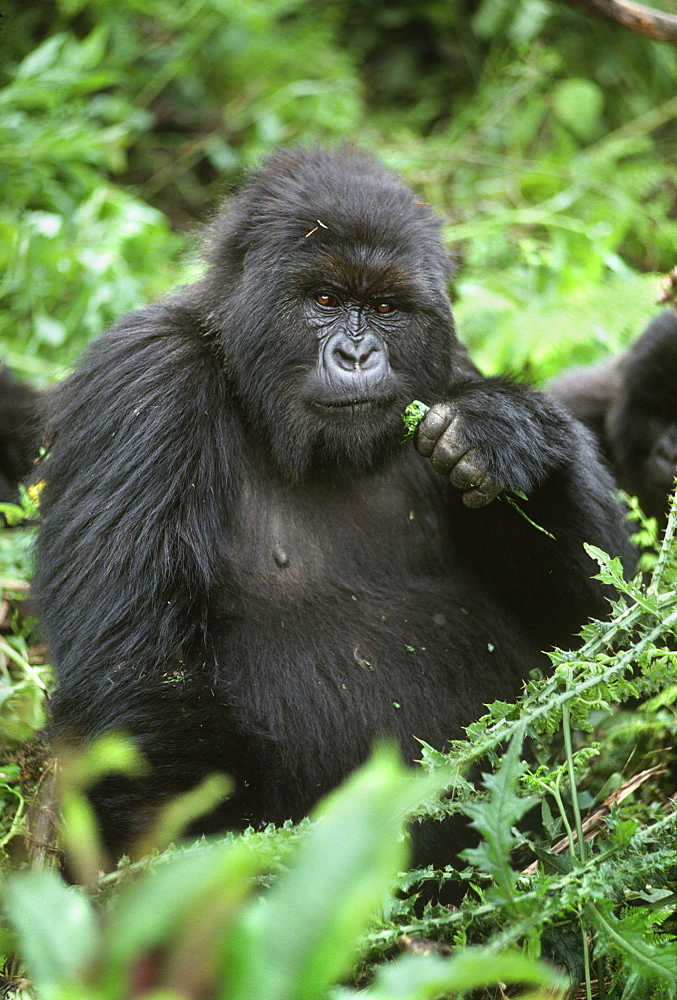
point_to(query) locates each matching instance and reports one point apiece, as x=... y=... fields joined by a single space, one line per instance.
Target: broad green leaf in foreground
x=56 y=928
x=301 y=937
x=429 y=977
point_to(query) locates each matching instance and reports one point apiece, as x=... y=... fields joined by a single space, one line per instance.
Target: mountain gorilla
x=240 y=563
x=630 y=403
x=19 y=439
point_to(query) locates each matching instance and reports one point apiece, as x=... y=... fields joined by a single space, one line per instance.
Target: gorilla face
x=644 y=451
x=661 y=469
x=642 y=422
x=353 y=368
x=336 y=314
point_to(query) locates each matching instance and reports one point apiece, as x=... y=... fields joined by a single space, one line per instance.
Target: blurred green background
x=546 y=140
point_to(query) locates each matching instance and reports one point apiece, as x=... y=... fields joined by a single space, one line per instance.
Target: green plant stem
x=601 y=989
x=580 y=855
x=557 y=796
x=17 y=819
x=666 y=550
x=647 y=122
x=586 y=964
x=566 y=729
x=24 y=664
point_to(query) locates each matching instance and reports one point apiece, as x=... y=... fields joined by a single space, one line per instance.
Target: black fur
x=630 y=403
x=18 y=433
x=241 y=565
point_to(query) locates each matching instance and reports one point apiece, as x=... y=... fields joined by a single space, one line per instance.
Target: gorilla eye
x=384 y=308
x=326 y=300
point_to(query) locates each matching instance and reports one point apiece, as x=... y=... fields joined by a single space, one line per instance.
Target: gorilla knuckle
x=468 y=472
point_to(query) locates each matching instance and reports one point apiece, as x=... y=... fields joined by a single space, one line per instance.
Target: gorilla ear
x=225 y=243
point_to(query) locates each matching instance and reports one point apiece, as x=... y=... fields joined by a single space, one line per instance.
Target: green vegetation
x=189 y=925
x=412 y=417
x=593 y=895
x=546 y=142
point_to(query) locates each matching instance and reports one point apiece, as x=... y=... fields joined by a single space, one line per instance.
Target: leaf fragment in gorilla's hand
x=412 y=417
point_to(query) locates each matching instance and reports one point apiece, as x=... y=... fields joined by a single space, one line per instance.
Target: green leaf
x=55 y=925
x=578 y=104
x=110 y=753
x=428 y=977
x=176 y=815
x=631 y=938
x=302 y=937
x=187 y=902
x=41 y=58
x=495 y=818
x=412 y=417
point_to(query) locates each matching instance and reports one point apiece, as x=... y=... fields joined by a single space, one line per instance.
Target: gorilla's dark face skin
x=353 y=368
x=242 y=565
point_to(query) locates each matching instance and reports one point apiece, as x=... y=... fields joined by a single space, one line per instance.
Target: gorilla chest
x=348 y=579
x=290 y=544
x=349 y=615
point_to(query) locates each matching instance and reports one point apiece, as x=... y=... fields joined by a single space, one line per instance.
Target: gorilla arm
x=138 y=468
x=494 y=437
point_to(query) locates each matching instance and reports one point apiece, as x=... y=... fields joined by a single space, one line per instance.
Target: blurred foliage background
x=546 y=140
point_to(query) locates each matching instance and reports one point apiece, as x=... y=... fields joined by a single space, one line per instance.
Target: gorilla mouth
x=351 y=403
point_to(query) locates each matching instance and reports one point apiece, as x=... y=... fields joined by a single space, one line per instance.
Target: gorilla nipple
x=281 y=557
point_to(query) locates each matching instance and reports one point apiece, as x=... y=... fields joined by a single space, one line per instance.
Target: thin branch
x=642 y=20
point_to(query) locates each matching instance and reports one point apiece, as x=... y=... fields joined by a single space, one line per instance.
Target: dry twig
x=593 y=822
x=635 y=17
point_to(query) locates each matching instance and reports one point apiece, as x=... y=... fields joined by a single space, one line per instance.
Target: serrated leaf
x=553 y=862
x=632 y=941
x=495 y=817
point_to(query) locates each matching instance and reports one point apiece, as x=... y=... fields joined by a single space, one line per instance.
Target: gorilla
x=240 y=563
x=630 y=403
x=19 y=438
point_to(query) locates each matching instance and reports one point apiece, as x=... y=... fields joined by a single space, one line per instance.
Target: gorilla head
x=630 y=404
x=642 y=420
x=368 y=285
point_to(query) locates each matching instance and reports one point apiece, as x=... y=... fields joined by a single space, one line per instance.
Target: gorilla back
x=242 y=566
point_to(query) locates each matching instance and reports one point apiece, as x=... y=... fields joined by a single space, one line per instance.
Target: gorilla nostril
x=354 y=357
x=345 y=358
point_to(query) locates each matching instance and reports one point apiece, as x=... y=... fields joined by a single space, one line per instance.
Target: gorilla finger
x=481 y=496
x=435 y=422
x=468 y=472
x=446 y=456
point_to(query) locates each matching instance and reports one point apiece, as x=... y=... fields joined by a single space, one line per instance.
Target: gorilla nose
x=358 y=354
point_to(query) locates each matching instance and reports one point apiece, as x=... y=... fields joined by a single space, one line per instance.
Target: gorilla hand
x=443 y=437
x=495 y=435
